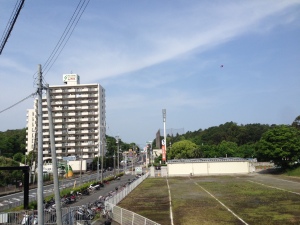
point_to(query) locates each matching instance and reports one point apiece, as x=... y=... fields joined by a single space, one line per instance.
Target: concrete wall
x=208 y=168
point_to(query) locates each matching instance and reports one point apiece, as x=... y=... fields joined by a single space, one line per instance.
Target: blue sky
x=154 y=55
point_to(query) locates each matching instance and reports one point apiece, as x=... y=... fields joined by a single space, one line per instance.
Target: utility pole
x=40 y=185
x=54 y=161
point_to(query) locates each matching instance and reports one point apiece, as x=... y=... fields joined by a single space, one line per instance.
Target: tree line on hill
x=277 y=143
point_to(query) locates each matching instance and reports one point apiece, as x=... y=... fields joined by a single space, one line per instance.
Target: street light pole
x=102 y=155
x=117 y=141
x=98 y=161
x=114 y=163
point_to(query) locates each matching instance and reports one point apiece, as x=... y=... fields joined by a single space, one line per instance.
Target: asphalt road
x=103 y=191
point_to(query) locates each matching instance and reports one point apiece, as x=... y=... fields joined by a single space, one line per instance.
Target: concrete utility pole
x=54 y=161
x=40 y=185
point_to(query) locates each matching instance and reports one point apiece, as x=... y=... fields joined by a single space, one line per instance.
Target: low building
x=209 y=166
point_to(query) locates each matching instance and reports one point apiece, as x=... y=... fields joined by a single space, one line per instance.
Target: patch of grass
x=192 y=204
x=294 y=172
x=149 y=199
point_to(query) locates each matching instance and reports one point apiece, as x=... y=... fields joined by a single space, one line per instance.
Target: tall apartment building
x=78 y=112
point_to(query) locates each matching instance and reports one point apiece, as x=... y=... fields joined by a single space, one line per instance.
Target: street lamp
x=114 y=164
x=99 y=148
x=117 y=141
x=102 y=163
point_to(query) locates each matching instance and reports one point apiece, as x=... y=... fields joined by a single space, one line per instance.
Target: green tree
x=183 y=150
x=280 y=144
x=18 y=157
x=296 y=122
x=227 y=149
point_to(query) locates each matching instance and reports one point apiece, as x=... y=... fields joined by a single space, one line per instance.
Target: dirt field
x=240 y=199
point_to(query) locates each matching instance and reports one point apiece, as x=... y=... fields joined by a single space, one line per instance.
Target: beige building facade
x=79 y=114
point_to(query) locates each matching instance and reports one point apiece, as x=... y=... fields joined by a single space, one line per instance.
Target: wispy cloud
x=199 y=26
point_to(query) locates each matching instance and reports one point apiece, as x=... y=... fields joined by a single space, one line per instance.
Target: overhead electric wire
x=62 y=42
x=66 y=35
x=31 y=95
x=11 y=25
x=8 y=22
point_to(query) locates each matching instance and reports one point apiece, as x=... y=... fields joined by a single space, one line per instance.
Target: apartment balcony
x=58 y=132
x=71 y=144
x=56 y=103
x=71 y=150
x=85 y=144
x=72 y=139
x=71 y=126
x=58 y=120
x=58 y=139
x=71 y=96
x=46 y=139
x=46 y=133
x=71 y=132
x=56 y=91
x=58 y=126
x=46 y=145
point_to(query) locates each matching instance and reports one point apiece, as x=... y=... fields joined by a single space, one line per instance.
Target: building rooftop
x=202 y=160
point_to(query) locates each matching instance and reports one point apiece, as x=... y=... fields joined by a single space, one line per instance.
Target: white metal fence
x=124 y=216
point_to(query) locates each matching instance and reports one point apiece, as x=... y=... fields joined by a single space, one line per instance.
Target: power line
x=31 y=95
x=11 y=24
x=66 y=34
x=60 y=44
